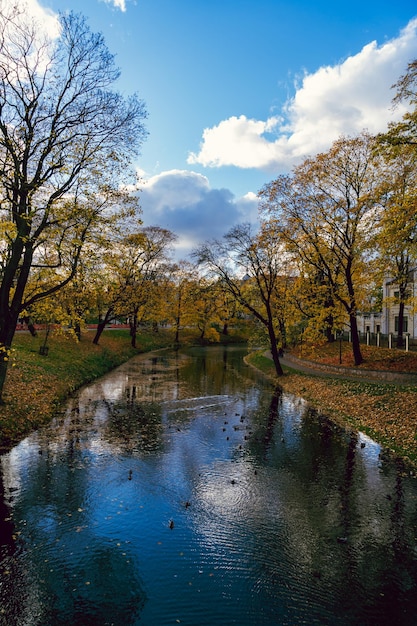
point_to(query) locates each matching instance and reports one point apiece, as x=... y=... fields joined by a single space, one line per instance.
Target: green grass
x=36 y=384
x=385 y=411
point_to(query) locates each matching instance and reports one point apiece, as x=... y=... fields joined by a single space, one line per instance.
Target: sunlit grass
x=385 y=411
x=36 y=384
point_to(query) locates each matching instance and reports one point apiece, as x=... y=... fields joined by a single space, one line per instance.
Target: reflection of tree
x=212 y=372
x=134 y=424
x=96 y=580
x=347 y=502
x=65 y=572
x=7 y=542
x=341 y=528
x=397 y=582
x=267 y=427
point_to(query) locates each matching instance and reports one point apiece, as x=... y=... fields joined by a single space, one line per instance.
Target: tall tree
x=133 y=269
x=179 y=297
x=148 y=253
x=62 y=130
x=397 y=234
x=204 y=309
x=249 y=265
x=326 y=212
x=404 y=132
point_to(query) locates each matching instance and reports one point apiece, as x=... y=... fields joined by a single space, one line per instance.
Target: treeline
x=73 y=247
x=330 y=231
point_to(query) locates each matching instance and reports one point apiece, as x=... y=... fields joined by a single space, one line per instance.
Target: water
x=184 y=489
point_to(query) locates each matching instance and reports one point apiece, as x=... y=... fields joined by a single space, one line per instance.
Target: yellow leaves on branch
x=5 y=353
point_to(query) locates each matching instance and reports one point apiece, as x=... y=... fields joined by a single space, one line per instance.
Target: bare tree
x=249 y=266
x=63 y=131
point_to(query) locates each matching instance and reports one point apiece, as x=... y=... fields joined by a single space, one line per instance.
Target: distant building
x=386 y=321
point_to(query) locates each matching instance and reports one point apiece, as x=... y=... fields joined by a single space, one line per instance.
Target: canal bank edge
x=383 y=407
x=347 y=373
x=38 y=385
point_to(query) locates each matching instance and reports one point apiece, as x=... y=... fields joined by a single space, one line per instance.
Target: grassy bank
x=36 y=384
x=386 y=412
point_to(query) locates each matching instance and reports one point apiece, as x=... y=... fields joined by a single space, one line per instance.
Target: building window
x=407 y=296
x=405 y=324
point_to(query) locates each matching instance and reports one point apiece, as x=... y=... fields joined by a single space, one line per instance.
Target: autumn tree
x=314 y=314
x=148 y=254
x=204 y=307
x=133 y=269
x=77 y=297
x=229 y=308
x=326 y=211
x=180 y=289
x=398 y=228
x=248 y=264
x=404 y=132
x=397 y=234
x=106 y=213
x=62 y=127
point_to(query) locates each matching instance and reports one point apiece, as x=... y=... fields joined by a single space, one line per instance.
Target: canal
x=183 y=488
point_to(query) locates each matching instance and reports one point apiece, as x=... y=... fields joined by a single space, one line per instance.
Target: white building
x=386 y=321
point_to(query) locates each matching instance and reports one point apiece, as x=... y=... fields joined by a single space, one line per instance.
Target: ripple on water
x=277 y=520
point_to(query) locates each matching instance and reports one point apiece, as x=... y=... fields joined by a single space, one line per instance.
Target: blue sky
x=238 y=91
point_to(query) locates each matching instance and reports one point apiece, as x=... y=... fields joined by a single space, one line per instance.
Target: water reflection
x=182 y=488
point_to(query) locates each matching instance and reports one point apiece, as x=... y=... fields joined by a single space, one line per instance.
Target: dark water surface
x=183 y=489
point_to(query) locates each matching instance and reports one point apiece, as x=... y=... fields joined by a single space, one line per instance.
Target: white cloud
x=352 y=96
x=118 y=4
x=184 y=202
x=46 y=18
x=237 y=141
x=175 y=189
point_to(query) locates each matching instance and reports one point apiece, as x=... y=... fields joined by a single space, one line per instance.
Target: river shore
x=36 y=385
x=386 y=411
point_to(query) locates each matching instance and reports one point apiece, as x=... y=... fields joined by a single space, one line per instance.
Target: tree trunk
x=273 y=344
x=133 y=330
x=329 y=329
x=8 y=329
x=178 y=318
x=225 y=328
x=30 y=326
x=283 y=331
x=9 y=313
x=356 y=348
x=352 y=310
x=275 y=355
x=101 y=325
x=400 y=335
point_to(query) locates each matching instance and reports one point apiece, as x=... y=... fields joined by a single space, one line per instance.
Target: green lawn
x=36 y=384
